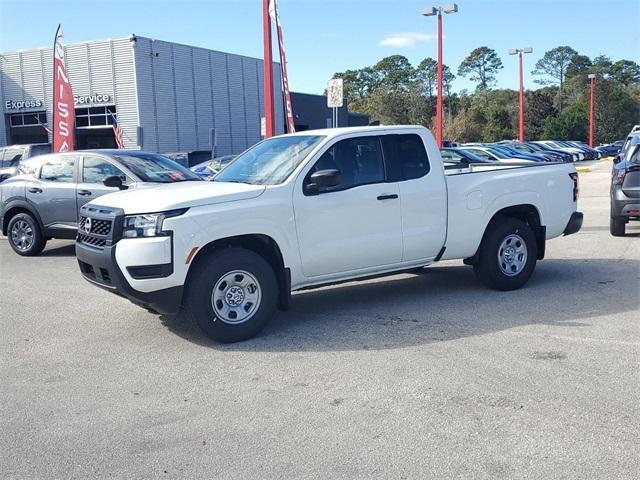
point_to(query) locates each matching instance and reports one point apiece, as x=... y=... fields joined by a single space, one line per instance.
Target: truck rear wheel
x=231 y=294
x=508 y=254
x=617 y=226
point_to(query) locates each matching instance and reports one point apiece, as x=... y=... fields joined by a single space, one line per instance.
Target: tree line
x=393 y=91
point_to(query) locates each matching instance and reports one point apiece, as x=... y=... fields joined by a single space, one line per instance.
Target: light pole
x=592 y=81
x=428 y=12
x=520 y=51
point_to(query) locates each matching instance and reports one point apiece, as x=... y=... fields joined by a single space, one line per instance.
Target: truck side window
x=359 y=160
x=413 y=156
x=406 y=156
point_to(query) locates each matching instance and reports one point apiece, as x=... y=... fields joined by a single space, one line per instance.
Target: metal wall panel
x=175 y=93
x=221 y=105
x=202 y=96
x=103 y=67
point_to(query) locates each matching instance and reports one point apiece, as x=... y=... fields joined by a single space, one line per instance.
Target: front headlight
x=148 y=224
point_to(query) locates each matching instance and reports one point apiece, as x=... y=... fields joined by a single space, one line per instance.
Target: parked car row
x=535 y=151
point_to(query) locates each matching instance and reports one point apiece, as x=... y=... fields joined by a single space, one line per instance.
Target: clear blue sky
x=324 y=36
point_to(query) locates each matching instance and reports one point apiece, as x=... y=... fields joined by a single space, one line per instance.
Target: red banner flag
x=273 y=12
x=64 y=118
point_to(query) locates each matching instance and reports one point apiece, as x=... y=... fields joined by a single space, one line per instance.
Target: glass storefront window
x=94 y=116
x=28 y=119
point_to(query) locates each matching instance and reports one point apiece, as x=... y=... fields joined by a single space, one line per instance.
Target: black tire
x=617 y=226
x=199 y=300
x=35 y=244
x=488 y=268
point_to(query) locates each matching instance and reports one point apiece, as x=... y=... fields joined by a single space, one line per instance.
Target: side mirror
x=323 y=178
x=114 y=181
x=617 y=159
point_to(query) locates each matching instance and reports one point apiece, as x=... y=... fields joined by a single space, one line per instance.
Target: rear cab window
x=406 y=156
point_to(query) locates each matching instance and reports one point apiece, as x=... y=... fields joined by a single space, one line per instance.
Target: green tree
x=579 y=65
x=539 y=106
x=394 y=73
x=601 y=65
x=481 y=65
x=426 y=75
x=553 y=68
x=625 y=72
x=389 y=107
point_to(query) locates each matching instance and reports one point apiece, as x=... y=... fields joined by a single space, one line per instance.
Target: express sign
x=96 y=98
x=21 y=105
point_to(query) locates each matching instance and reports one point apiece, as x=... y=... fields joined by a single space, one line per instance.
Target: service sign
x=335 y=98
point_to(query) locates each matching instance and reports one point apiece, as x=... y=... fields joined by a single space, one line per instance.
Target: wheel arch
x=261 y=244
x=16 y=207
x=526 y=212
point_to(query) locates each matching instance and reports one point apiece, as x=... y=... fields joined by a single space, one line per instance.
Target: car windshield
x=499 y=153
x=151 y=167
x=269 y=162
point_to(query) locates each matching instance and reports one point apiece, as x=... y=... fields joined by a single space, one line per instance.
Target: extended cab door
x=356 y=224
x=53 y=192
x=423 y=193
x=94 y=170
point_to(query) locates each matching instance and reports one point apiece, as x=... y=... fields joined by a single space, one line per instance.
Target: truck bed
x=475 y=193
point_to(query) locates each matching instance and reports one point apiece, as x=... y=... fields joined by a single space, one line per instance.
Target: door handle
x=388 y=197
x=35 y=190
x=84 y=193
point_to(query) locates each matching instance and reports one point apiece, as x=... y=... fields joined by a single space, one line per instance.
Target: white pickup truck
x=316 y=208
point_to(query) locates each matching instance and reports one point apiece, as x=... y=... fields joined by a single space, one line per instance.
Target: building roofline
x=130 y=37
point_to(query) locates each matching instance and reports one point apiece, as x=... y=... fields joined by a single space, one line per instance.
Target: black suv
x=625 y=186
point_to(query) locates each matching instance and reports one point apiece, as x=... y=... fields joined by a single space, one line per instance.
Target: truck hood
x=164 y=197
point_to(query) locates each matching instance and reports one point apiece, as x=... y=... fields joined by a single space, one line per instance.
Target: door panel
x=54 y=192
x=349 y=230
x=356 y=224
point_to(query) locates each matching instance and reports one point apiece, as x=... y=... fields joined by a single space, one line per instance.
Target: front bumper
x=575 y=223
x=100 y=268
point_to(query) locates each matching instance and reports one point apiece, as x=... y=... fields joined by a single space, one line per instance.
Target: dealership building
x=167 y=97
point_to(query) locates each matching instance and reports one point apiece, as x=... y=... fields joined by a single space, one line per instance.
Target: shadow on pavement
x=440 y=304
x=66 y=250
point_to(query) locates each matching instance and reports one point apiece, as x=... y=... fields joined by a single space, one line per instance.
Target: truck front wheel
x=231 y=294
x=508 y=254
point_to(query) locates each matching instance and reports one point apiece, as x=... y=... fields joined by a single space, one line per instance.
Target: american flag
x=117 y=131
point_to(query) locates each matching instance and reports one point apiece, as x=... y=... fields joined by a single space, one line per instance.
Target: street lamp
x=520 y=51
x=592 y=81
x=429 y=12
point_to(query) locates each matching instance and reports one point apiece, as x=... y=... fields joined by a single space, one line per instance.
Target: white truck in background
x=316 y=208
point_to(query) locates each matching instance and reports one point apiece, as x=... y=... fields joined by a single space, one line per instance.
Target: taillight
x=574 y=177
x=618 y=178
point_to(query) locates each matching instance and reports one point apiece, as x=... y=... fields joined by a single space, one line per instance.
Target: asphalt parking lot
x=412 y=376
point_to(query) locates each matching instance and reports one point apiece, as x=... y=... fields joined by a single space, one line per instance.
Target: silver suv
x=42 y=200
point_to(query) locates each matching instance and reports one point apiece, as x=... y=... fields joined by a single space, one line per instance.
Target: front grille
x=98 y=227
x=91 y=241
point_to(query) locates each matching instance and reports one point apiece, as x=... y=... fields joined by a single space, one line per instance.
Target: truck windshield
x=151 y=167
x=269 y=162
